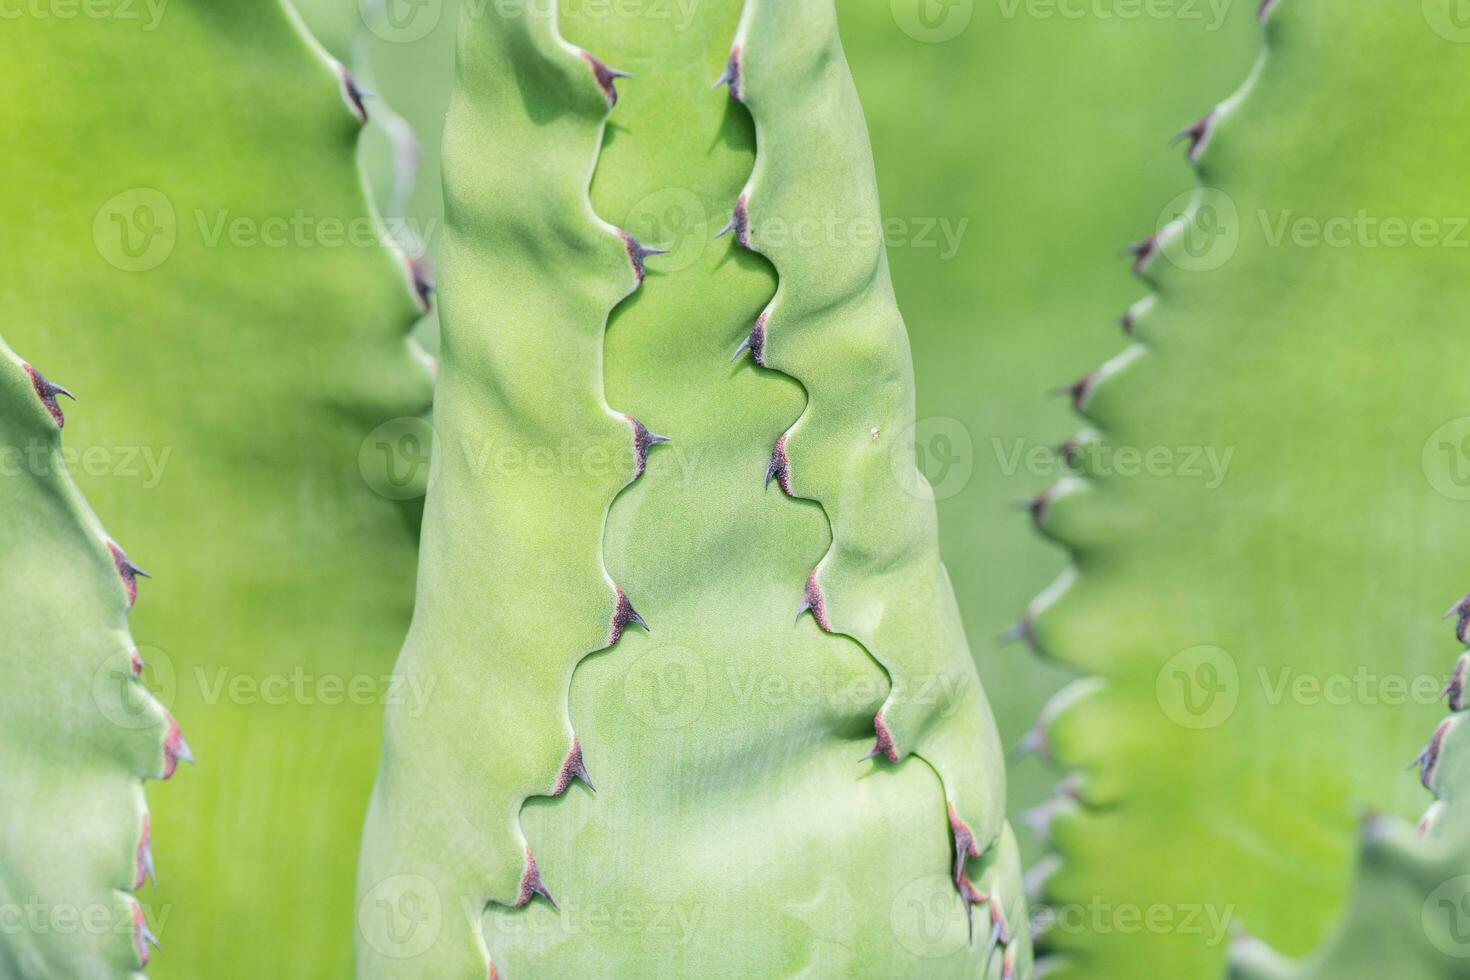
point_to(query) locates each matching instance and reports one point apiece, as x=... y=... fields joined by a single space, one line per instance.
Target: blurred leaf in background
x=191 y=252
x=1021 y=145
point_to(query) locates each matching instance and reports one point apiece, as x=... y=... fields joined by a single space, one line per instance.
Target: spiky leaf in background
x=1017 y=143
x=1068 y=109
x=1257 y=668
x=727 y=744
x=79 y=733
x=402 y=51
x=190 y=246
x=1409 y=916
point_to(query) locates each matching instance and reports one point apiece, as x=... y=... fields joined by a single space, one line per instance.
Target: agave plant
x=76 y=841
x=654 y=445
x=1086 y=135
x=1258 y=666
x=973 y=269
x=1409 y=907
x=172 y=191
x=645 y=642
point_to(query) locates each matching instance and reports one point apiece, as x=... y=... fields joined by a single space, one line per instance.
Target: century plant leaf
x=726 y=741
x=80 y=733
x=1017 y=145
x=1260 y=665
x=1069 y=110
x=190 y=247
x=1409 y=915
x=403 y=51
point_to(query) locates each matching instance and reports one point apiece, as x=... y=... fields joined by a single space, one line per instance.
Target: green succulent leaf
x=1253 y=676
x=1016 y=148
x=79 y=733
x=1410 y=906
x=192 y=248
x=726 y=741
x=975 y=270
